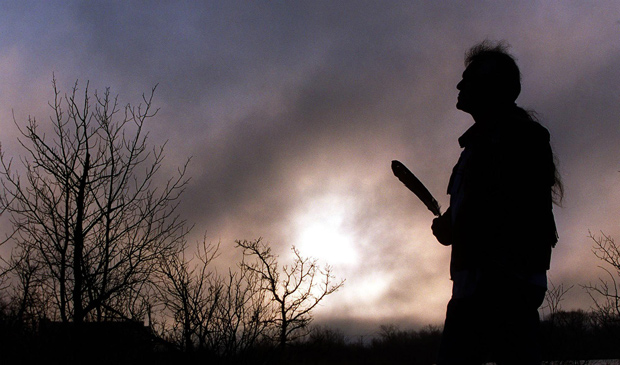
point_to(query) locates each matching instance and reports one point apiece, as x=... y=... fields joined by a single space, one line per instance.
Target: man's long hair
x=507 y=83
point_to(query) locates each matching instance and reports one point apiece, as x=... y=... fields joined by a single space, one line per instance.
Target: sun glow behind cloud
x=321 y=232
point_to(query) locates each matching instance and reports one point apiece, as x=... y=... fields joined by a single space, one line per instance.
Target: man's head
x=491 y=79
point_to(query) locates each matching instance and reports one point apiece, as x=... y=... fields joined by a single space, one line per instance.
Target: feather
x=412 y=183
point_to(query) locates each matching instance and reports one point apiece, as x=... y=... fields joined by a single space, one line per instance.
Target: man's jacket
x=501 y=198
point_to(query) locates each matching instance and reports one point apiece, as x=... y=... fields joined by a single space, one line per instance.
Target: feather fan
x=415 y=185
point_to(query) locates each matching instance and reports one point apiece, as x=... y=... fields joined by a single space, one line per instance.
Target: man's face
x=475 y=89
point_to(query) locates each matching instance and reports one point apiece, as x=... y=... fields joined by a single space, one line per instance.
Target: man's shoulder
x=524 y=130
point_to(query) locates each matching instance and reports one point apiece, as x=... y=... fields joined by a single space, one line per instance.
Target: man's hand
x=442 y=228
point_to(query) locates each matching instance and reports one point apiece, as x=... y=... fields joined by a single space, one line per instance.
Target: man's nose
x=459 y=86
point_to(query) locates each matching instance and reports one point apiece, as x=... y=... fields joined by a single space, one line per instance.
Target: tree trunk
x=78 y=252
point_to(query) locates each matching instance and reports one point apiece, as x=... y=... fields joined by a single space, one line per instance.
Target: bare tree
x=554 y=297
x=243 y=313
x=190 y=293
x=28 y=301
x=555 y=319
x=606 y=293
x=294 y=290
x=86 y=207
x=224 y=314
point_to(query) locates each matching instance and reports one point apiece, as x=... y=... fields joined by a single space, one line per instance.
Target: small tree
x=223 y=314
x=243 y=312
x=190 y=293
x=553 y=298
x=606 y=293
x=87 y=214
x=294 y=290
x=553 y=325
x=26 y=297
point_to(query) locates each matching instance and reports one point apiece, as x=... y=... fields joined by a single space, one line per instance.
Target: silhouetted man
x=500 y=223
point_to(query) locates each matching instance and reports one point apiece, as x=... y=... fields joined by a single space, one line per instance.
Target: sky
x=293 y=110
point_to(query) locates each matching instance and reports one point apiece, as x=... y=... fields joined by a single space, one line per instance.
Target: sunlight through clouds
x=321 y=231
